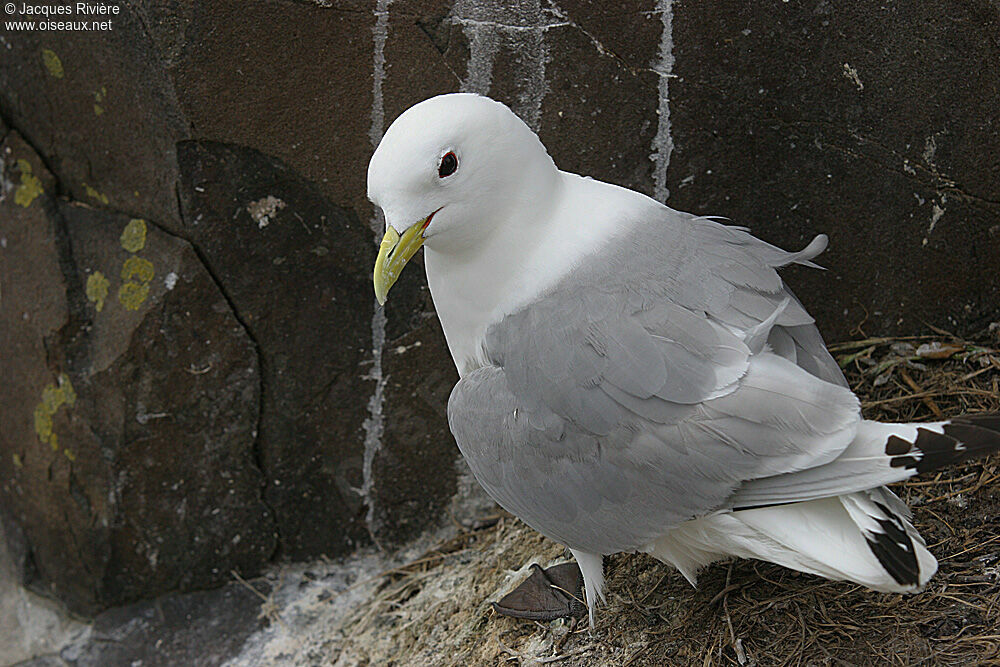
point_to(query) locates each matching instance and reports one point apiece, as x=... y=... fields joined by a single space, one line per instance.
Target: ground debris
x=436 y=609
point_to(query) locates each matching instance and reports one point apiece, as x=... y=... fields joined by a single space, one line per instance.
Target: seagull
x=638 y=379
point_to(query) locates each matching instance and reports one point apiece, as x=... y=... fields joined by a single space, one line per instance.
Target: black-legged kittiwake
x=634 y=378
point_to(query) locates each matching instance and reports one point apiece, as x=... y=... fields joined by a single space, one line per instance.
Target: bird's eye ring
x=448 y=165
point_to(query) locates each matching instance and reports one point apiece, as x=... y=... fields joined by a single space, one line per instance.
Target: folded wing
x=651 y=388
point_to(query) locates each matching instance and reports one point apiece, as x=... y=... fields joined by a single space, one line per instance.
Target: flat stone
x=411 y=29
x=599 y=76
x=35 y=307
x=203 y=628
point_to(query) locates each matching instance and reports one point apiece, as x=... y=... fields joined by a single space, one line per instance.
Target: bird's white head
x=448 y=172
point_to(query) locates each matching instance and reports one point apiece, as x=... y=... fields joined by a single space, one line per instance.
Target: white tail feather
x=829 y=537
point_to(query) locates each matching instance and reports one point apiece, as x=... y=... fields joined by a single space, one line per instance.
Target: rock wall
x=196 y=380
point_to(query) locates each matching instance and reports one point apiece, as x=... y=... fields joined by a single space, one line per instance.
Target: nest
x=435 y=611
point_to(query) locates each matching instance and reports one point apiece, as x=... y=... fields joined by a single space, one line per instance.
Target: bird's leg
x=592 y=568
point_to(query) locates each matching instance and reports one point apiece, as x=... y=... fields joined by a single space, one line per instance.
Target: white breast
x=529 y=255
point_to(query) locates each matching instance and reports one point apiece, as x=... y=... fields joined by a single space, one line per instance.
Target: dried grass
x=434 y=611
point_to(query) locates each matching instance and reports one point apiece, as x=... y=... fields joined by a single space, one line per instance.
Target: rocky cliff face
x=195 y=378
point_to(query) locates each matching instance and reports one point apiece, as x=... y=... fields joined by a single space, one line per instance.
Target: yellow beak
x=393 y=254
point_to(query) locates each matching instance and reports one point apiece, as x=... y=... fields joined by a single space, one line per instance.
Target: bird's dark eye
x=449 y=163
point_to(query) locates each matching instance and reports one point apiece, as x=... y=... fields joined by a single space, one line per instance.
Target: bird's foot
x=546 y=595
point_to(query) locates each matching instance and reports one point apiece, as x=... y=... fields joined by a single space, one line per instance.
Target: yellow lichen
x=136 y=271
x=52 y=63
x=134 y=236
x=99 y=96
x=138 y=268
x=43 y=422
x=97 y=289
x=18 y=463
x=53 y=398
x=132 y=294
x=30 y=186
x=67 y=388
x=70 y=455
x=95 y=195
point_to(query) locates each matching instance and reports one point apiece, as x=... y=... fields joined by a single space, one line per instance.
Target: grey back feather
x=638 y=393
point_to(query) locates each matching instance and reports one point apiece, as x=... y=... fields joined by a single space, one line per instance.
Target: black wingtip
x=894 y=548
x=988 y=420
x=963 y=438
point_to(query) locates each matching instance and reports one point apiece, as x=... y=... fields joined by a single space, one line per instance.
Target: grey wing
x=731 y=275
x=610 y=412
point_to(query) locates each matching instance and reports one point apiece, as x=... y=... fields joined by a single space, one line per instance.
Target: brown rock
x=204 y=628
x=35 y=309
x=296 y=270
x=414 y=469
x=600 y=78
x=301 y=94
x=101 y=109
x=879 y=135
x=129 y=419
x=180 y=393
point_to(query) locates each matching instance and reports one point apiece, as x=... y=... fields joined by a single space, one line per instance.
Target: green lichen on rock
x=52 y=63
x=53 y=397
x=134 y=236
x=137 y=268
x=30 y=186
x=97 y=289
x=133 y=294
x=99 y=97
x=137 y=273
x=95 y=194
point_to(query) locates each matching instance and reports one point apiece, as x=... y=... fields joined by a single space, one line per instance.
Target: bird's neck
x=533 y=248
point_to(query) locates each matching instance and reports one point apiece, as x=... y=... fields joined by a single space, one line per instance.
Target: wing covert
x=627 y=393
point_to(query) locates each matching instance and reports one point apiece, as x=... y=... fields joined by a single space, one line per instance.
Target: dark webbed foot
x=546 y=595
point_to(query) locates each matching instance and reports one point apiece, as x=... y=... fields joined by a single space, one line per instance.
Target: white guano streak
x=663 y=142
x=521 y=26
x=375 y=423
